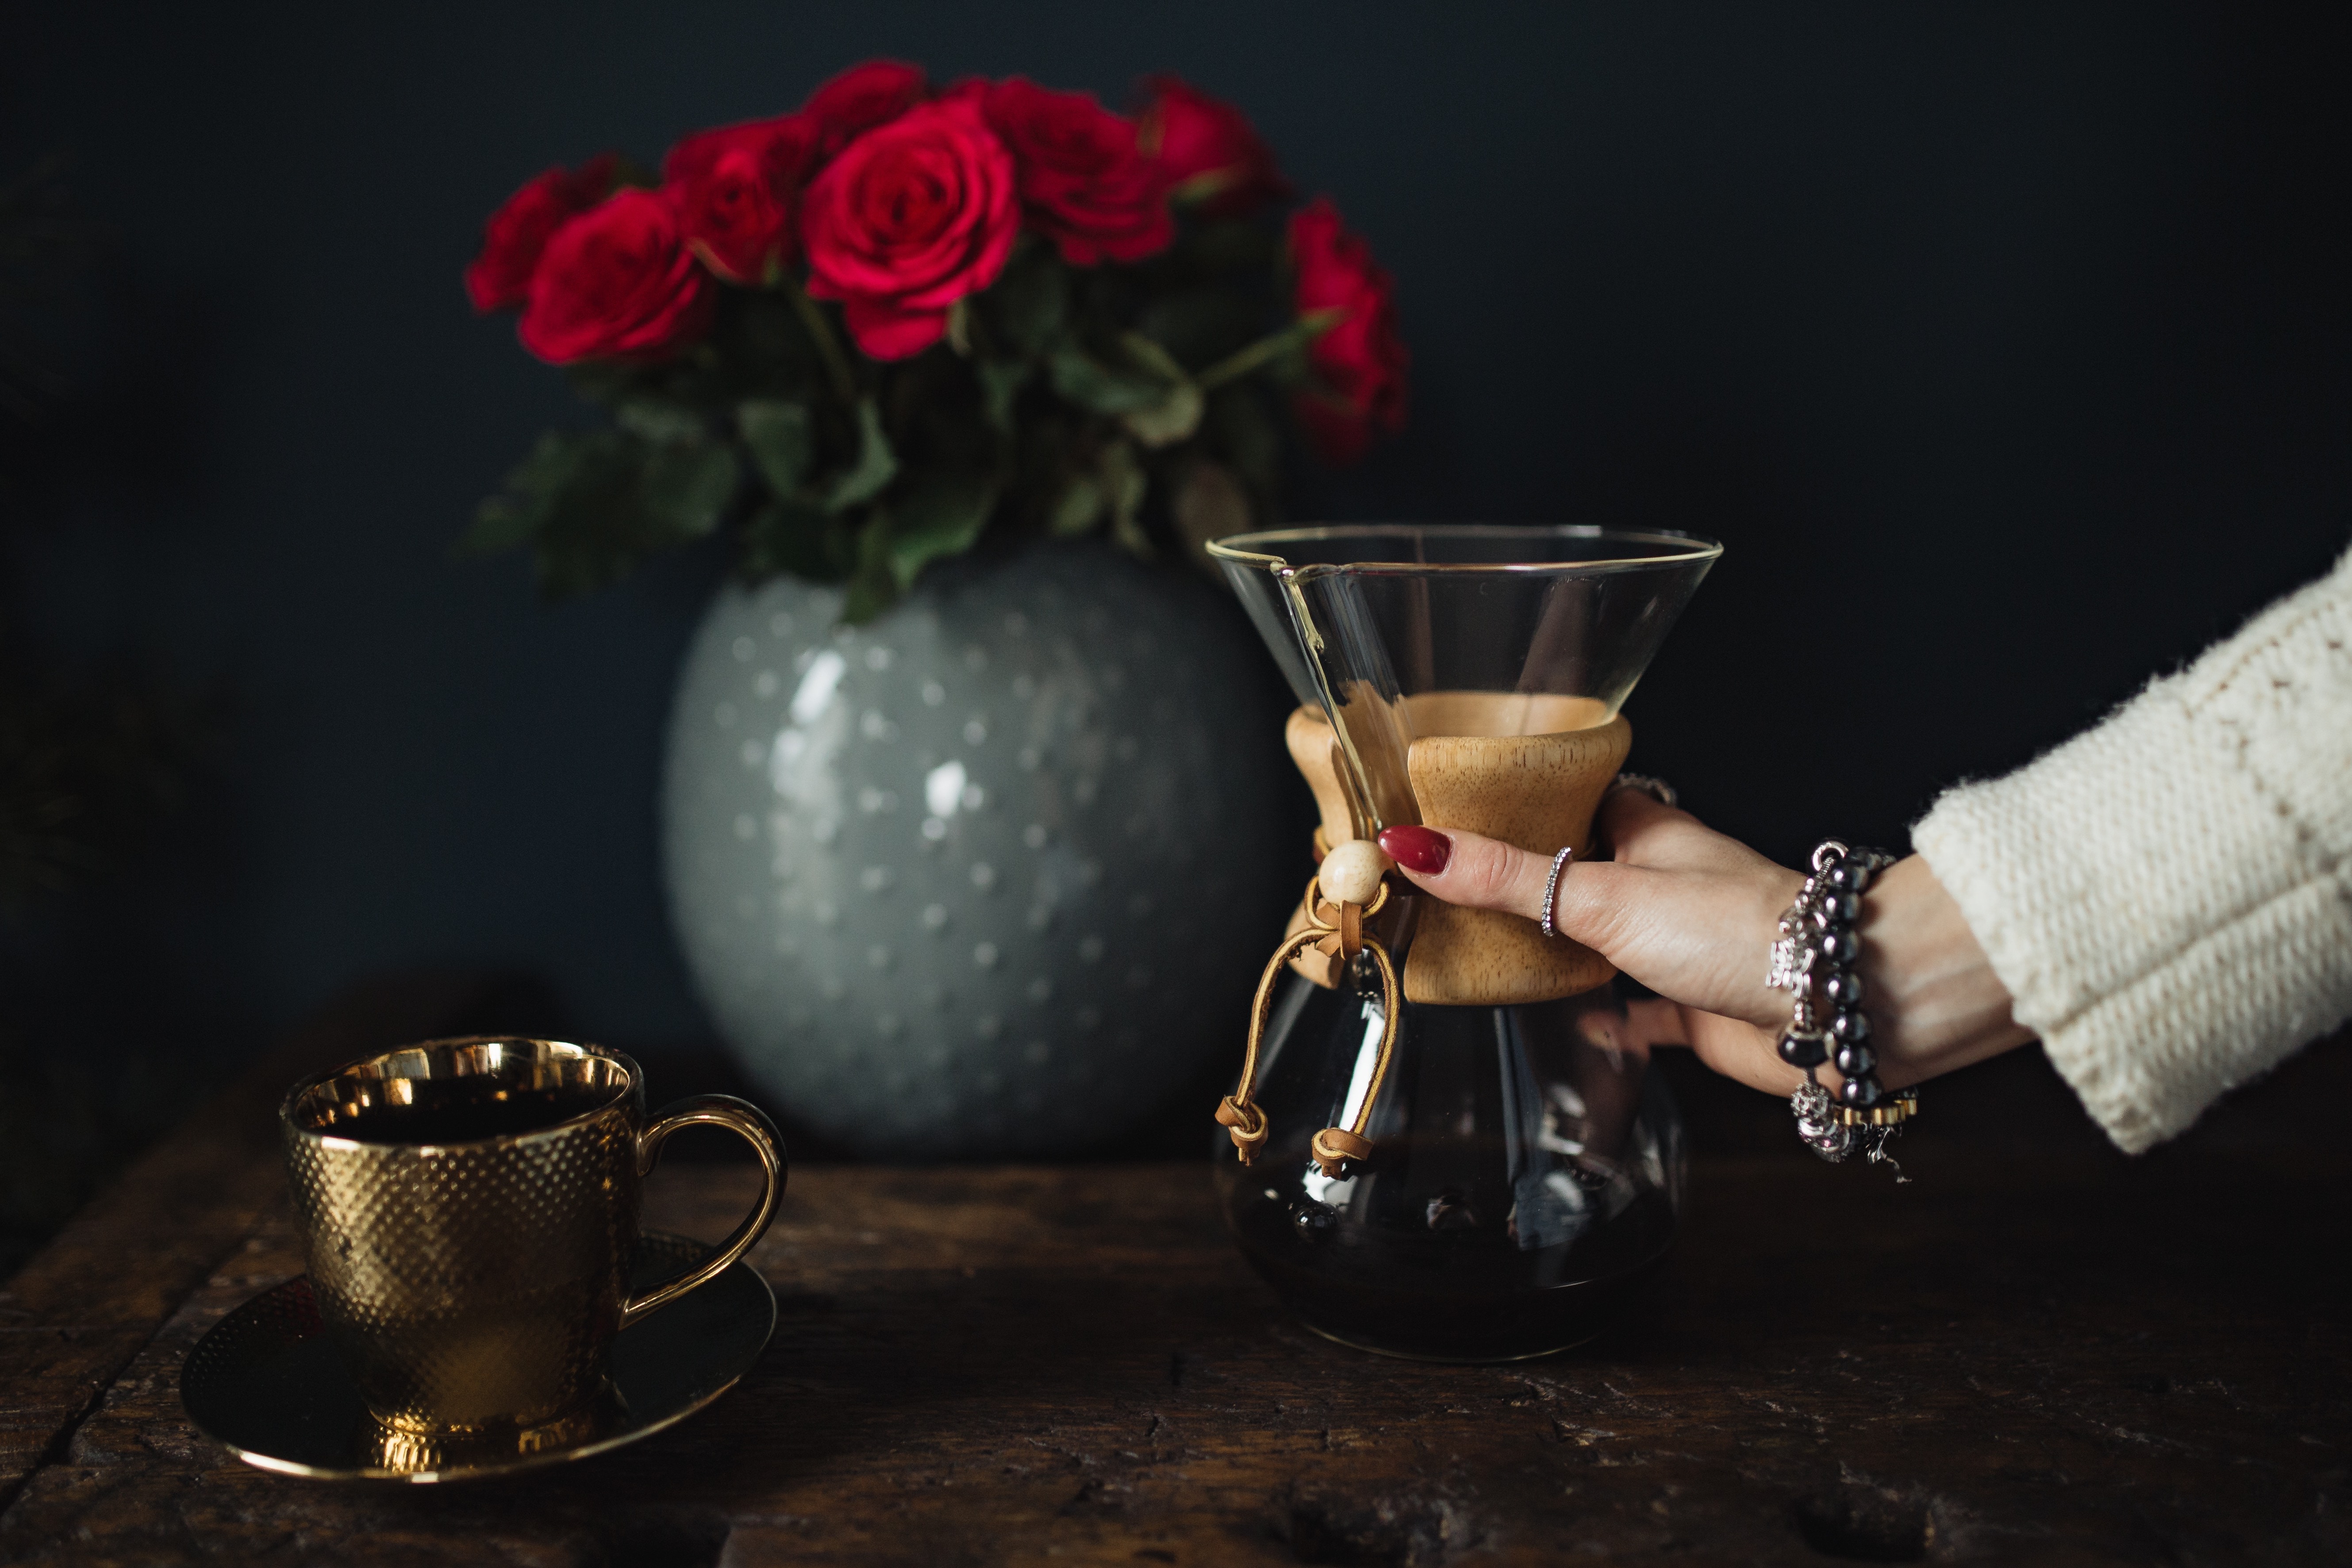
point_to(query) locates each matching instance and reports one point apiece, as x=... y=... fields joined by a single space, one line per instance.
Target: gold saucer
x=266 y=1383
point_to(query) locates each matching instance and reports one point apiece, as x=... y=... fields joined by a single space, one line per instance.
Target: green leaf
x=517 y=513
x=876 y=467
x=1245 y=432
x=873 y=586
x=780 y=440
x=1172 y=419
x=604 y=382
x=687 y=489
x=797 y=537
x=1100 y=389
x=594 y=525
x=1177 y=414
x=592 y=506
x=1030 y=301
x=1001 y=382
x=658 y=421
x=500 y=522
x=938 y=515
x=1151 y=358
x=1200 y=325
x=1078 y=508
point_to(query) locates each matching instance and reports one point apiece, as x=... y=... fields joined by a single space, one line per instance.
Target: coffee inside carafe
x=1490 y=1173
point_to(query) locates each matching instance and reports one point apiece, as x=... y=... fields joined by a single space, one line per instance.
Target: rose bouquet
x=868 y=333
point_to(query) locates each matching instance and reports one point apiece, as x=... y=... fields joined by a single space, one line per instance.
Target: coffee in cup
x=469 y=1210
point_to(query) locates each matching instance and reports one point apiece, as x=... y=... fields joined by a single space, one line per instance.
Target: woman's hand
x=1691 y=914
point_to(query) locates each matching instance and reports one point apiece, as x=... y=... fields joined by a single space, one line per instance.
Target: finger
x=1741 y=1052
x=1738 y=1051
x=1470 y=870
x=1657 y=1022
x=1627 y=815
x=1642 y=831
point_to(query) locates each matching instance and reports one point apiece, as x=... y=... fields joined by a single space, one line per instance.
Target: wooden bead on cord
x=1351 y=872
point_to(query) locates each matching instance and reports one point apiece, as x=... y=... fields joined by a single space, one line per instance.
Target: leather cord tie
x=1337 y=928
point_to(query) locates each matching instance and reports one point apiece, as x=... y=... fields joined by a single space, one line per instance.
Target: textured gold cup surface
x=473 y=1284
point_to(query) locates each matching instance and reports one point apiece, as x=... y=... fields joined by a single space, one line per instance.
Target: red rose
x=911 y=217
x=735 y=189
x=517 y=232
x=1207 y=150
x=617 y=281
x=1083 y=178
x=862 y=98
x=1360 y=360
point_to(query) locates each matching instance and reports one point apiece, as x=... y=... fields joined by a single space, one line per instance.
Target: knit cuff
x=2166 y=896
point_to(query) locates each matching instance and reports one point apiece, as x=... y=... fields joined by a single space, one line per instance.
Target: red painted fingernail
x=1422 y=849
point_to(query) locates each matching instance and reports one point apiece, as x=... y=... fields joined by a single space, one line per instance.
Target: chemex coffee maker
x=1445 y=1144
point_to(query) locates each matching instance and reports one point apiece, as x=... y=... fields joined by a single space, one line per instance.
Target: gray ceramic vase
x=993 y=875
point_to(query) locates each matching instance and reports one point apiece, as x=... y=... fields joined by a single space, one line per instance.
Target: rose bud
x=518 y=232
x=1208 y=152
x=1359 y=359
x=736 y=188
x=1083 y=178
x=861 y=98
x=617 y=282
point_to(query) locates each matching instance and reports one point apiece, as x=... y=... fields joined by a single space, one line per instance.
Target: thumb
x=1469 y=869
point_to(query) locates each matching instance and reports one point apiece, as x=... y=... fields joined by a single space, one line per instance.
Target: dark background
x=2004 y=346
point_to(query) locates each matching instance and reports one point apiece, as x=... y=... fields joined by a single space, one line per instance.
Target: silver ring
x=1559 y=863
x=1658 y=789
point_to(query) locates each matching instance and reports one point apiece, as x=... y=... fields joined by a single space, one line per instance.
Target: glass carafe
x=1525 y=1172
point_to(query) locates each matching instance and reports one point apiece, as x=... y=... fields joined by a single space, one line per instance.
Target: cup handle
x=749 y=1122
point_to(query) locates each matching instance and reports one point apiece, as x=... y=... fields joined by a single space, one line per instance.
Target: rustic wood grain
x=2016 y=1361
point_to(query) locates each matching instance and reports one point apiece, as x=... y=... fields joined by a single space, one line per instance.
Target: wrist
x=1934 y=1002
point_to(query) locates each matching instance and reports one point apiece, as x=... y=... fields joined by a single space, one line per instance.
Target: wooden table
x=2013 y=1360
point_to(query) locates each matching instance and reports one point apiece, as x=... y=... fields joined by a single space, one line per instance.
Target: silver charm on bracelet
x=1560 y=864
x=1817 y=1122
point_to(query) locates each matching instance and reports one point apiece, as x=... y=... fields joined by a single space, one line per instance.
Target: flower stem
x=828 y=347
x=1257 y=355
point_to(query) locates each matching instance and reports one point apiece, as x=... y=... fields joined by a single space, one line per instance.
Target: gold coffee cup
x=469 y=1209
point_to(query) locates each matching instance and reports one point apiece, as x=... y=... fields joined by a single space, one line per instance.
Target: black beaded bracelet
x=1815 y=951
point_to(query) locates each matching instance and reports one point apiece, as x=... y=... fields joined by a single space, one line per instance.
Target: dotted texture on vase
x=991 y=875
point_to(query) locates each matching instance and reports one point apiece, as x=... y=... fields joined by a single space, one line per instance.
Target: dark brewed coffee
x=1524 y=1183
x=463 y=1110
x=1450 y=1287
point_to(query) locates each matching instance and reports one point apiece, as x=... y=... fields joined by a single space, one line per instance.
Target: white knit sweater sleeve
x=2169 y=896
